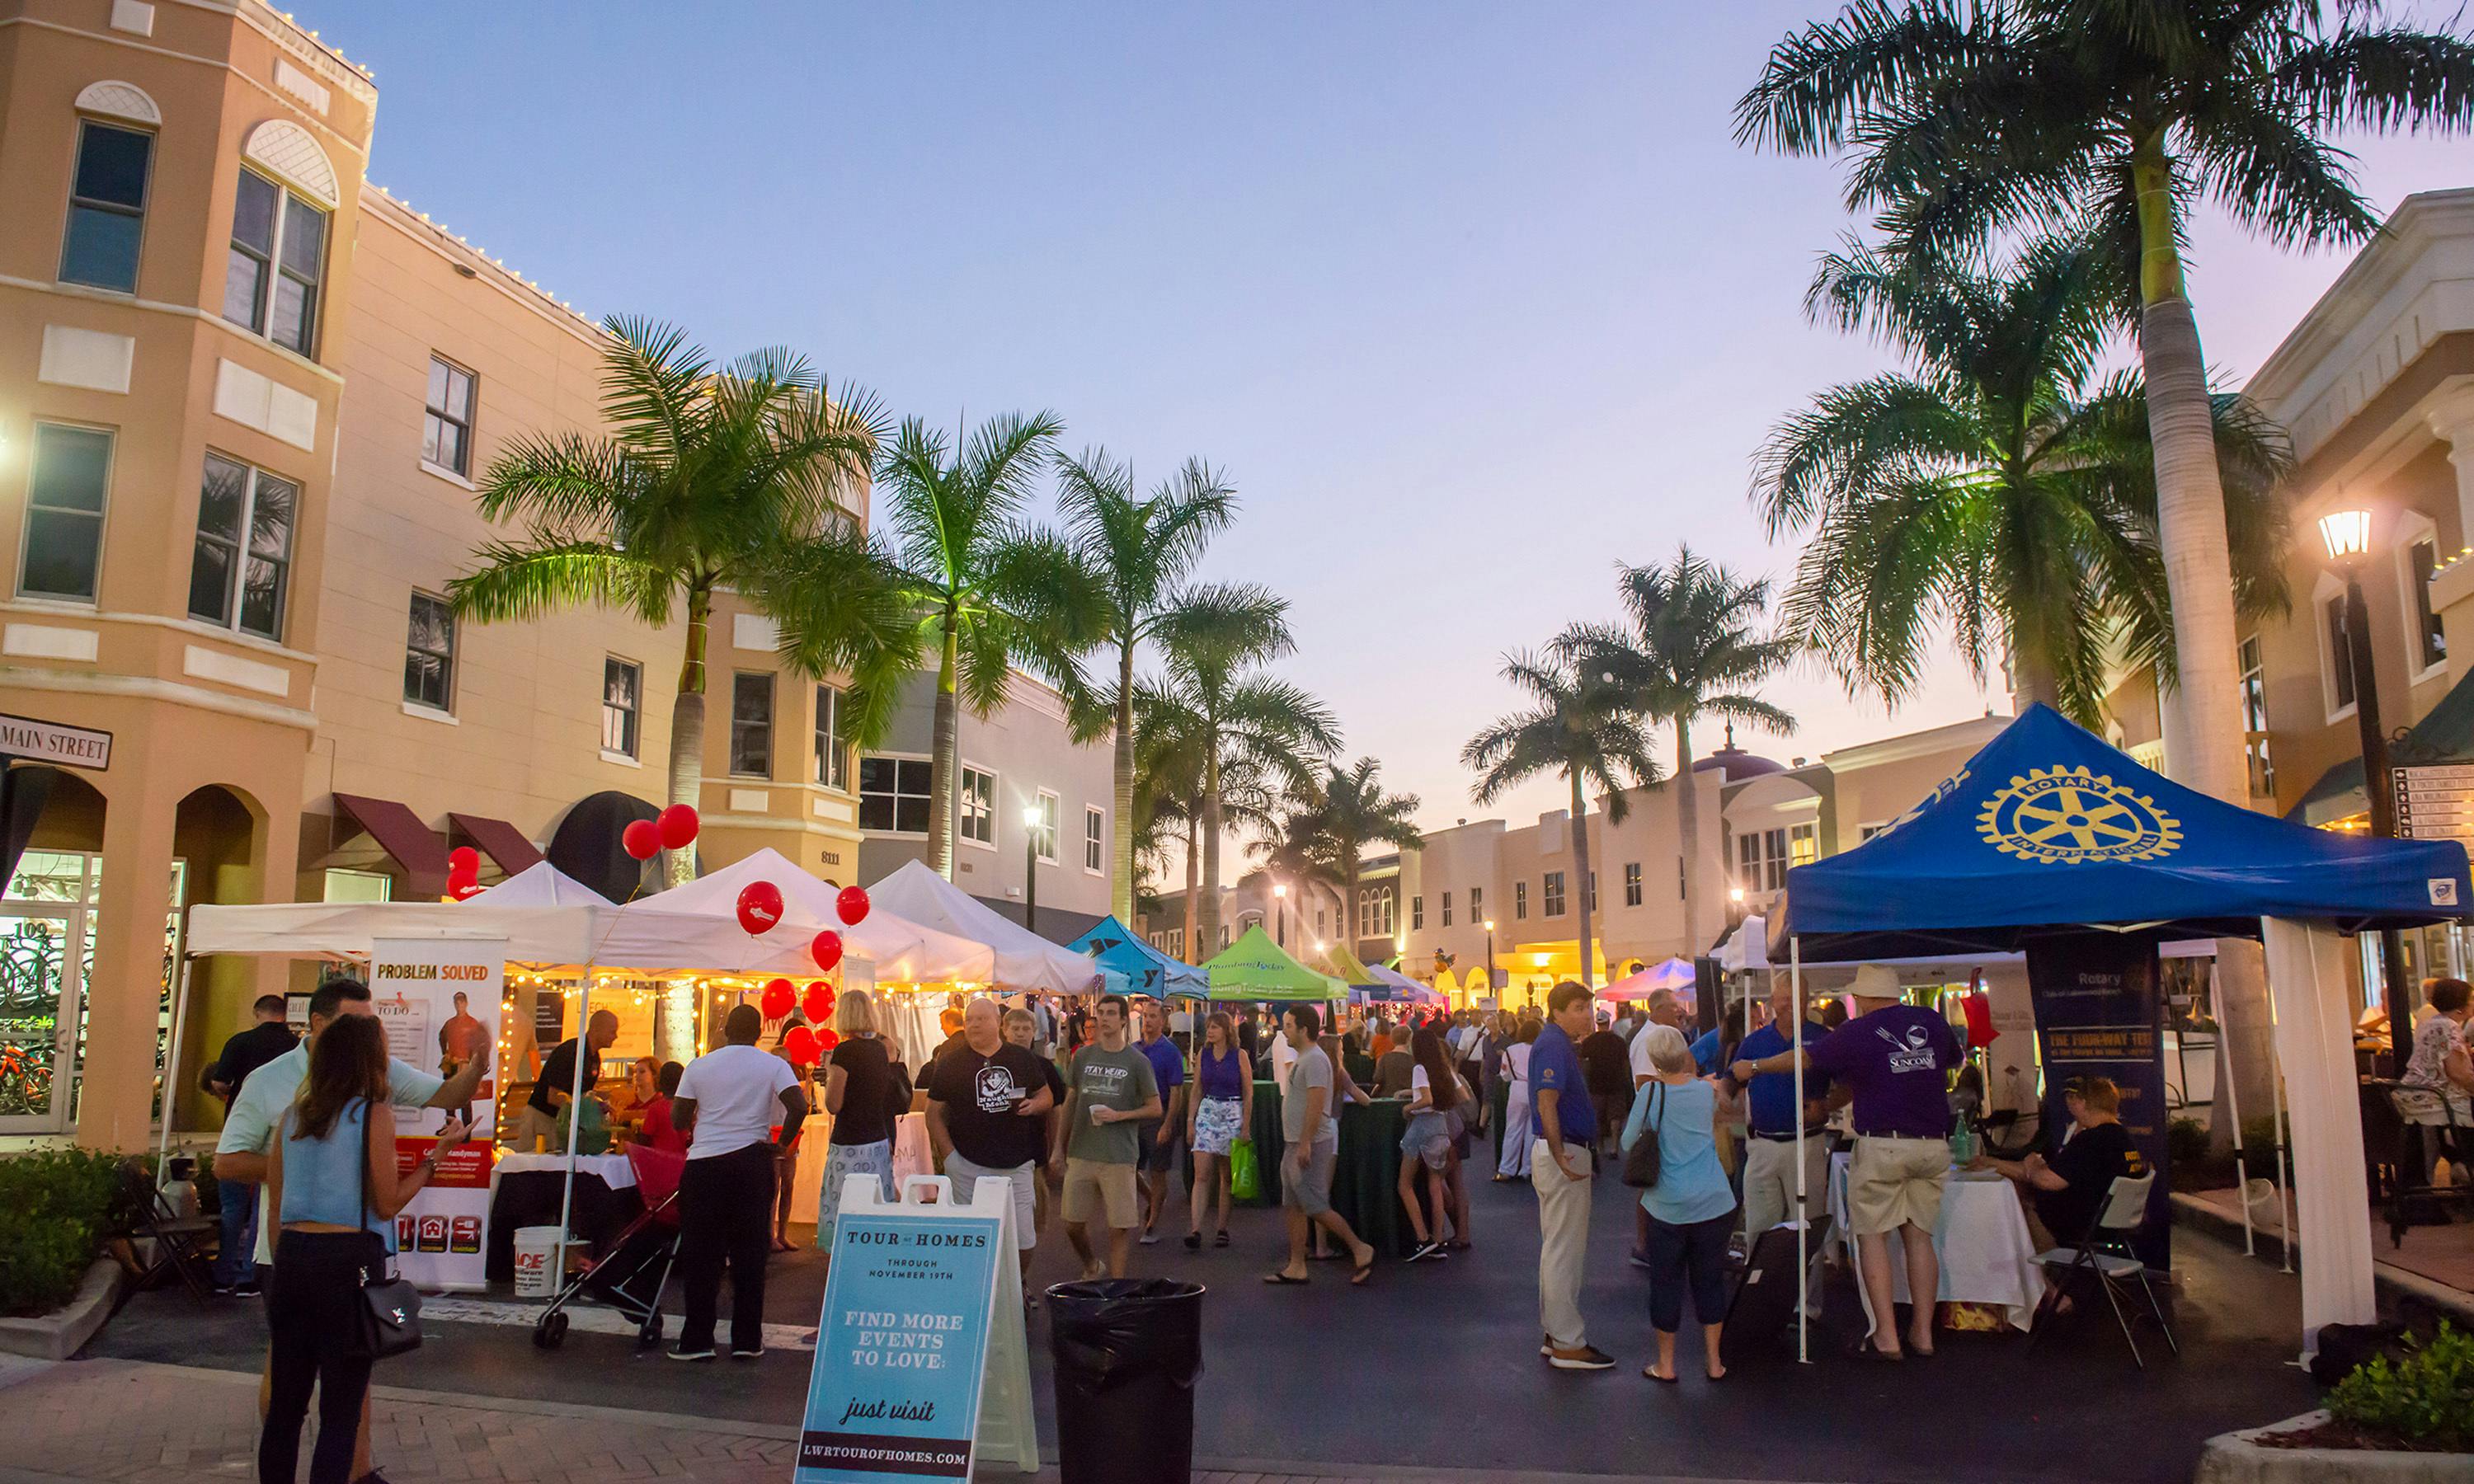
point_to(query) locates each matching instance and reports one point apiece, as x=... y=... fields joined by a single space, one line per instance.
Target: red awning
x=401 y=834
x=499 y=840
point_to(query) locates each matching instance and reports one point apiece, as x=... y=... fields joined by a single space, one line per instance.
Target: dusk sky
x=1471 y=301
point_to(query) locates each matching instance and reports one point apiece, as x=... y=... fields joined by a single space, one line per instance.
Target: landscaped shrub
x=61 y=1204
x=2424 y=1401
x=2186 y=1142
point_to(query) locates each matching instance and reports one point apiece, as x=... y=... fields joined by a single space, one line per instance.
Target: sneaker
x=735 y=1353
x=680 y=1351
x=247 y=1288
x=1426 y=1249
x=1588 y=1357
x=1148 y=1239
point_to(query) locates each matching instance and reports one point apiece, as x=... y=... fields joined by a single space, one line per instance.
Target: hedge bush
x=63 y=1205
x=2424 y=1401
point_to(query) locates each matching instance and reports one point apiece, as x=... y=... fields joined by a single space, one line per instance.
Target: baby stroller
x=631 y=1275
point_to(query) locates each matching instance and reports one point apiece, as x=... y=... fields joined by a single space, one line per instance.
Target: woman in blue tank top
x=1224 y=1109
x=332 y=1187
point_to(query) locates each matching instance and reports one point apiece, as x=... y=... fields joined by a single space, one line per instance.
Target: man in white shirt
x=258 y=1110
x=730 y=1096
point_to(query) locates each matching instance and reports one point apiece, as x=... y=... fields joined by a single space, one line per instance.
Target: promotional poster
x=439 y=1002
x=2099 y=1014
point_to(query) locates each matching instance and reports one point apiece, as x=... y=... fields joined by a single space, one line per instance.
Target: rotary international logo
x=2066 y=816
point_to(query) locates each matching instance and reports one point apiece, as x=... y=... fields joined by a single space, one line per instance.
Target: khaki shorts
x=1089 y=1184
x=1893 y=1183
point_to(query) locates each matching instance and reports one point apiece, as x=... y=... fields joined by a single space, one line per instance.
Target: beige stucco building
x=244 y=398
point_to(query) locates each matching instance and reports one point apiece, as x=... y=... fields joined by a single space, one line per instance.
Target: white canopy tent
x=1024 y=960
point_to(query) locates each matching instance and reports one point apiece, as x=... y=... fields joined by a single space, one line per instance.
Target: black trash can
x=1127 y=1351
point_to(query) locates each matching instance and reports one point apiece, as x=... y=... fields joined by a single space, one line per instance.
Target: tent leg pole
x=1803 y=1215
x=575 y=1119
x=2225 y=1069
x=2285 y=1216
x=172 y=1065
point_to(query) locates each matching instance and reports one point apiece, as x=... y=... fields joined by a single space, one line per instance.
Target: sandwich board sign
x=922 y=1367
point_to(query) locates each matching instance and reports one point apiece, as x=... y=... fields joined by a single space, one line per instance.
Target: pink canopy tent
x=1675 y=974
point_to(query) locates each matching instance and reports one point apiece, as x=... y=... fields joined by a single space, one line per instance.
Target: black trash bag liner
x=1126 y=1352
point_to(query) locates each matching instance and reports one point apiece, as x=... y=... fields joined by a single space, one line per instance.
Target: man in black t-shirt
x=243 y=1054
x=985 y=1101
x=556 y=1083
x=1606 y=1064
x=2068 y=1193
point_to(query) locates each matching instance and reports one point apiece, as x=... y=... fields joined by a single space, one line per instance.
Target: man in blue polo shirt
x=1562 y=1162
x=1158 y=1137
x=1770 y=1193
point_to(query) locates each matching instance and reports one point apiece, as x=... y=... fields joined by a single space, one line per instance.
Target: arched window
x=274 y=276
x=115 y=155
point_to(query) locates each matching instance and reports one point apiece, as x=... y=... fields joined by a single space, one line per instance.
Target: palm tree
x=2118 y=117
x=1355 y=812
x=1253 y=729
x=710 y=477
x=1579 y=730
x=1171 y=753
x=975 y=587
x=1692 y=646
x=1142 y=551
x=2007 y=488
x=1296 y=852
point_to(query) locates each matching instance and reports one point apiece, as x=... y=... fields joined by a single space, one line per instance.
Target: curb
x=58 y=1334
x=2239 y=1459
x=2400 y=1282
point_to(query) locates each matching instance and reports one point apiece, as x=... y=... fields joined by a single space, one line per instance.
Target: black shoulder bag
x=1640 y=1157
x=390 y=1306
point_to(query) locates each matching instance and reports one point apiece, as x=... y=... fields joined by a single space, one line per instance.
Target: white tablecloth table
x=1985 y=1252
x=610 y=1169
x=807 y=1179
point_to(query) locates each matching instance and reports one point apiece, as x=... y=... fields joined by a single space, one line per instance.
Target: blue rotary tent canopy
x=1146 y=969
x=2049 y=828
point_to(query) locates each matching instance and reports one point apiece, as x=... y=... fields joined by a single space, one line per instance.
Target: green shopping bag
x=1244 y=1178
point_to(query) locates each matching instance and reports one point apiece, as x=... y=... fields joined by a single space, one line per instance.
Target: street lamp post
x=1280 y=912
x=2348 y=536
x=1031 y=820
x=1489 y=956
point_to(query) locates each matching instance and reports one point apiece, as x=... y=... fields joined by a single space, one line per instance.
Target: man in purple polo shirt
x=1158 y=1137
x=1897 y=1061
x=1561 y=1163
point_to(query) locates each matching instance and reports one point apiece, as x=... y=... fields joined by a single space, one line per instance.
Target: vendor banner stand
x=922 y=1365
x=438 y=1000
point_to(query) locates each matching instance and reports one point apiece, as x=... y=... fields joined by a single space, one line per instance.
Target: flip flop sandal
x=1221 y=1240
x=1862 y=1349
x=1650 y=1374
x=1358 y=1276
x=1284 y=1280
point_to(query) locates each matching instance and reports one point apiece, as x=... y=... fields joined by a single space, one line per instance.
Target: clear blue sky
x=1472 y=300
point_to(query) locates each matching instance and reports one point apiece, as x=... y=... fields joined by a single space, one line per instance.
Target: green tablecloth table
x=1364 y=1183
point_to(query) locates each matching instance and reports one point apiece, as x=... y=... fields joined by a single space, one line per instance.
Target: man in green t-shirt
x=1109 y=1090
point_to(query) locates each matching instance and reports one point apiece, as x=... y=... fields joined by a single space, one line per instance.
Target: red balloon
x=827 y=1041
x=826 y=948
x=677 y=826
x=641 y=840
x=778 y=1000
x=458 y=880
x=464 y=860
x=818 y=1003
x=760 y=907
x=801 y=1047
x=852 y=905
x=463 y=891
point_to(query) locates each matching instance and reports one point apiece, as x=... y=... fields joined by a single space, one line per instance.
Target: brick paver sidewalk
x=131 y=1422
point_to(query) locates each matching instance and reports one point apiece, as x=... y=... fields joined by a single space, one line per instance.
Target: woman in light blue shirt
x=1691 y=1208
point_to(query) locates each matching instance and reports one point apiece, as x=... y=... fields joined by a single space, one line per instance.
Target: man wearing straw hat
x=1896 y=1060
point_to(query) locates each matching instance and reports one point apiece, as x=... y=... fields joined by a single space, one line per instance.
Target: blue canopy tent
x=2049 y=832
x=1146 y=969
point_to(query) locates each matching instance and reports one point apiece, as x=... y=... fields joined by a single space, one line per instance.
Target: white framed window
x=62 y=553
x=1864 y=832
x=243 y=557
x=975 y=815
x=1045 y=843
x=1477 y=904
x=1593 y=891
x=106 y=206
x=1519 y=901
x=1095 y=840
x=1417 y=913
x=1632 y=884
x=894 y=794
x=446 y=428
x=1553 y=894
x=623 y=705
x=359 y=886
x=2335 y=649
x=278 y=259
x=2254 y=706
x=2426 y=642
x=1775 y=859
x=1448 y=909
x=1803 y=843
x=1377 y=911
x=429 y=652
x=751 y=724
x=832 y=748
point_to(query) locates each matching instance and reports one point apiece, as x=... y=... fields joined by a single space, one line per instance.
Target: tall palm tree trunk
x=2031 y=674
x=1348 y=905
x=1193 y=886
x=1687 y=834
x=1121 y=840
x=1206 y=916
x=675 y=1027
x=2203 y=713
x=944 y=772
x=1581 y=863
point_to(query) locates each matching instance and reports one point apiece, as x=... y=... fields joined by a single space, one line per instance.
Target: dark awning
x=401 y=834
x=499 y=840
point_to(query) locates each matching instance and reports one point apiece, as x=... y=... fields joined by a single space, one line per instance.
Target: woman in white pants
x=1514 y=1162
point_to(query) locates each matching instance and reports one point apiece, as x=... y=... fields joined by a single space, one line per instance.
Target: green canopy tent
x=1254 y=968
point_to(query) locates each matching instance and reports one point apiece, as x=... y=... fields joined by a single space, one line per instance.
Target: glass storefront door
x=42 y=980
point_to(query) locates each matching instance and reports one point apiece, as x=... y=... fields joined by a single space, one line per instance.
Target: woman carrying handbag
x=332 y=1186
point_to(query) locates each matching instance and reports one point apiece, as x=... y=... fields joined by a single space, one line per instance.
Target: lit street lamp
x=1489 y=955
x=1031 y=820
x=1280 y=911
x=2348 y=536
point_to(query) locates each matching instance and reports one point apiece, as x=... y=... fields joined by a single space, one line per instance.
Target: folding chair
x=179 y=1241
x=2106 y=1256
